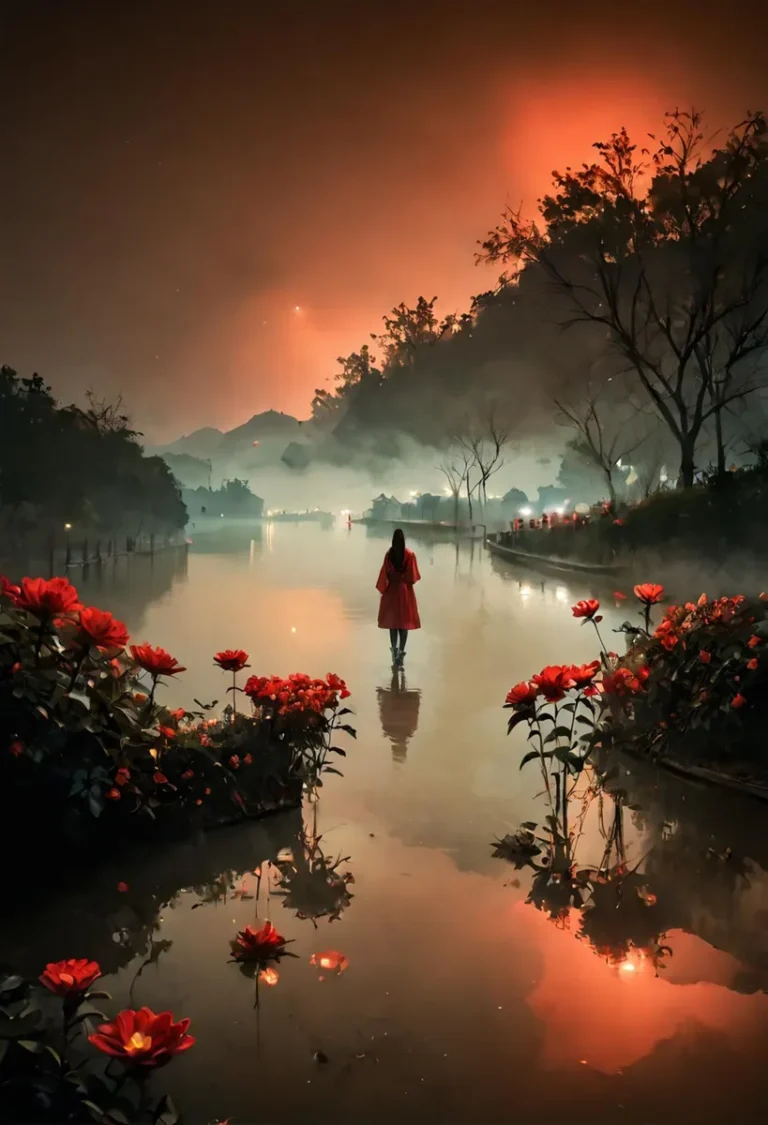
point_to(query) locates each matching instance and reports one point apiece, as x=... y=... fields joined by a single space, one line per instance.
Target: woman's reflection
x=398 y=713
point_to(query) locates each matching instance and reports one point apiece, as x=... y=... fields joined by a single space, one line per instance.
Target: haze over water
x=460 y=1002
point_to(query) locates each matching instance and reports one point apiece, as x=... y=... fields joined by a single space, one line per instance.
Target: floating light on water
x=330 y=961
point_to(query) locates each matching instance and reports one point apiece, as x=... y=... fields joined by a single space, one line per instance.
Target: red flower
x=624 y=681
x=619 y=596
x=143 y=1037
x=738 y=700
x=522 y=694
x=47 y=597
x=123 y=776
x=231 y=659
x=122 y=887
x=335 y=683
x=99 y=628
x=248 y=759
x=705 y=656
x=586 y=609
x=265 y=944
x=167 y=732
x=187 y=775
x=112 y=794
x=763 y=596
x=178 y=714
x=583 y=674
x=752 y=664
x=7 y=588
x=159 y=778
x=156 y=661
x=753 y=641
x=619 y=522
x=649 y=593
x=234 y=762
x=70 y=978
x=16 y=747
x=554 y=681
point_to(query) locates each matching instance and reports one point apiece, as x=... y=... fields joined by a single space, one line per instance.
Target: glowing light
x=330 y=960
x=269 y=976
x=67 y=526
x=257 y=443
x=293 y=628
x=525 y=591
x=153 y=753
x=298 y=308
x=561 y=593
x=559 y=511
x=627 y=967
x=526 y=511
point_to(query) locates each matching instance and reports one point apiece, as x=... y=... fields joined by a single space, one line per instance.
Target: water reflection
x=398 y=713
x=533 y=1019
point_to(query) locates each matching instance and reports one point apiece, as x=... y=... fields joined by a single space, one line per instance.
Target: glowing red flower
x=159 y=778
x=112 y=794
x=753 y=641
x=649 y=593
x=70 y=978
x=251 y=944
x=522 y=694
x=178 y=714
x=99 y=628
x=16 y=747
x=738 y=701
x=156 y=661
x=248 y=760
x=752 y=664
x=231 y=659
x=554 y=681
x=270 y=976
x=187 y=775
x=583 y=674
x=619 y=596
x=123 y=888
x=142 y=1037
x=166 y=732
x=47 y=597
x=234 y=762
x=122 y=776
x=704 y=656
x=586 y=609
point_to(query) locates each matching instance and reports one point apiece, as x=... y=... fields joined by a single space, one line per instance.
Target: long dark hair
x=397 y=550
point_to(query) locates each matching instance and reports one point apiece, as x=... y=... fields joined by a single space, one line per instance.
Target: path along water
x=461 y=1001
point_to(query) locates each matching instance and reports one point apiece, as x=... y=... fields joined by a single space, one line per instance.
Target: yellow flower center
x=138 y=1042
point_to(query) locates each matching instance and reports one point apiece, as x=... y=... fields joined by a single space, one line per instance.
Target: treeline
x=633 y=310
x=61 y=465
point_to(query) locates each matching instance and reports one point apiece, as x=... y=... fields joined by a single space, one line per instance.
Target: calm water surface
x=461 y=1001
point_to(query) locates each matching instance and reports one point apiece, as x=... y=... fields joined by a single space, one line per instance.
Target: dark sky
x=177 y=177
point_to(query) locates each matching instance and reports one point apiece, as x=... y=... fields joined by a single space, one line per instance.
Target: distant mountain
x=208 y=442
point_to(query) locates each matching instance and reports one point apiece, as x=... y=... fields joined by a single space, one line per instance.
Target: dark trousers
x=393 y=637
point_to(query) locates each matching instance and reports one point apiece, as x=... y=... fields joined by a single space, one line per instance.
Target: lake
x=461 y=1002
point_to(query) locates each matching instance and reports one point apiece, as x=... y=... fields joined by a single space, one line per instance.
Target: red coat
x=398 y=608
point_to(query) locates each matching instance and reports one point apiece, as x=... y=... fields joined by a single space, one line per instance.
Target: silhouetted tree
x=670 y=258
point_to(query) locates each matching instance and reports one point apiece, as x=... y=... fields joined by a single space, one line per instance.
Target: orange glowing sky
x=175 y=187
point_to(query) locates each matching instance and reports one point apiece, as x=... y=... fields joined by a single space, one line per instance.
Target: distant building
x=386 y=508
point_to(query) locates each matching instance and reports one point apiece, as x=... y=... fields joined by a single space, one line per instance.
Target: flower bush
x=48 y=1069
x=87 y=750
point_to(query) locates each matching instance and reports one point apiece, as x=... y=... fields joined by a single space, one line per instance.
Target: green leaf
x=330 y=769
x=166 y=1112
x=31 y=1045
x=98 y=995
x=529 y=757
x=15 y=1028
x=337 y=750
x=95 y=805
x=11 y=984
x=349 y=730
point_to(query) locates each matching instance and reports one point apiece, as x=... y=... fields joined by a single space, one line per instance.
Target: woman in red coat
x=398 y=610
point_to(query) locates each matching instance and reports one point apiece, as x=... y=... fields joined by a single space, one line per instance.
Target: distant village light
x=526 y=511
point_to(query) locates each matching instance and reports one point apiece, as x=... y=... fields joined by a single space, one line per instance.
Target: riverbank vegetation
x=92 y=758
x=651 y=263
x=689 y=692
x=71 y=471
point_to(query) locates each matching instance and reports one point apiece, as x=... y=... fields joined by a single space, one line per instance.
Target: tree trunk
x=611 y=489
x=687 y=451
x=720 y=442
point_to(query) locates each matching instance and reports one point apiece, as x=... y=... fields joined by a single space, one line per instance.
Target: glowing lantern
x=330 y=961
x=269 y=976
